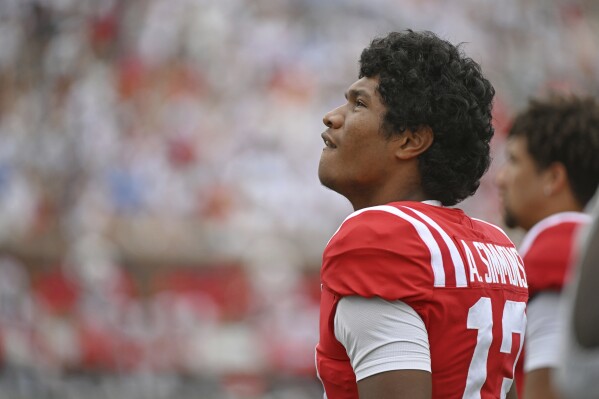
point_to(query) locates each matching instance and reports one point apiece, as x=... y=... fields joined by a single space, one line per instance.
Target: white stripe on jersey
x=550 y=221
x=423 y=231
x=458 y=263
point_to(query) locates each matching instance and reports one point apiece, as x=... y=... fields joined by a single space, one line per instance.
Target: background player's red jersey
x=463 y=277
x=548 y=248
x=547 y=251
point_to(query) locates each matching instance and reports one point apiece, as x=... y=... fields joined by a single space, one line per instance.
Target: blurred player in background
x=552 y=171
x=418 y=299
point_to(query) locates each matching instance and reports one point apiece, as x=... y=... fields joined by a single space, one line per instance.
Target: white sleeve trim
x=380 y=336
x=543 y=332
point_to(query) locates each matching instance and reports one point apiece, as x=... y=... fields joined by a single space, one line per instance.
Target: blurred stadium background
x=161 y=219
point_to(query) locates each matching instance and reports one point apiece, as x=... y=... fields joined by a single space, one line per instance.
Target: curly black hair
x=427 y=81
x=563 y=129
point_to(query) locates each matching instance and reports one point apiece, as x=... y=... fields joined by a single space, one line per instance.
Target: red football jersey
x=548 y=248
x=547 y=251
x=463 y=276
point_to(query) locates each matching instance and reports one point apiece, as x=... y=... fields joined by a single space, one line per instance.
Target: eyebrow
x=353 y=93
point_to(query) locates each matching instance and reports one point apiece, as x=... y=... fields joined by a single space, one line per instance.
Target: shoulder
x=379 y=251
x=547 y=250
x=370 y=225
x=553 y=229
x=491 y=230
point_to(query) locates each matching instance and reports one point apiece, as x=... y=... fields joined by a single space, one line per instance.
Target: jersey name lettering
x=494 y=264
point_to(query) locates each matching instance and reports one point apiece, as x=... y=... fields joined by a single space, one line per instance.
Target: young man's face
x=356 y=158
x=520 y=185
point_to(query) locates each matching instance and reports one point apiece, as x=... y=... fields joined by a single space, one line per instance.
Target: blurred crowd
x=160 y=211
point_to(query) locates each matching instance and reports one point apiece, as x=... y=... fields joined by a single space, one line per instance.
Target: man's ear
x=555 y=178
x=411 y=143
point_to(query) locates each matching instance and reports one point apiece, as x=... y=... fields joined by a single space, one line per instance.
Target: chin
x=510 y=220
x=325 y=179
x=327 y=182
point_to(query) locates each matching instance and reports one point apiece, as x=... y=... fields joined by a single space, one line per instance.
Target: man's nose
x=333 y=119
x=500 y=177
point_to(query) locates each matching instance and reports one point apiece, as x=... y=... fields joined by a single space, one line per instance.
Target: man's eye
x=360 y=103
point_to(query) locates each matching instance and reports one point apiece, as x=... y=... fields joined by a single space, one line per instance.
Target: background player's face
x=356 y=158
x=520 y=185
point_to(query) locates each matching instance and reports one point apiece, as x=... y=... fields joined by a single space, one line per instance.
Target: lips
x=327 y=140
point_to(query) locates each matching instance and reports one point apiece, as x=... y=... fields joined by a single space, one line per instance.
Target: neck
x=382 y=199
x=556 y=205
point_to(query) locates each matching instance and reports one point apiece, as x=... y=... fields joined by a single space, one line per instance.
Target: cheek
x=516 y=179
x=518 y=187
x=525 y=190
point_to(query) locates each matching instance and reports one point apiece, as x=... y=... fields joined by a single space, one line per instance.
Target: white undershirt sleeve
x=381 y=335
x=543 y=332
